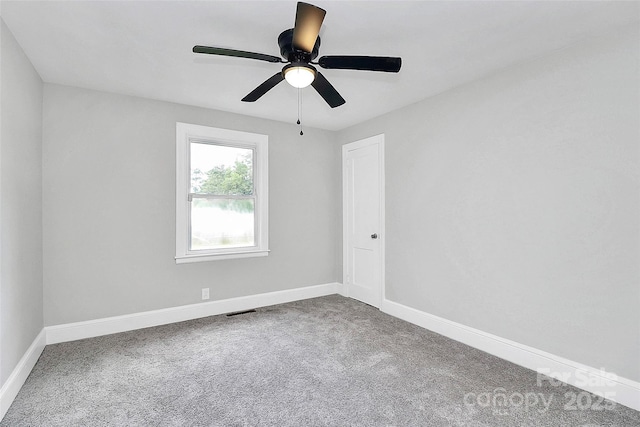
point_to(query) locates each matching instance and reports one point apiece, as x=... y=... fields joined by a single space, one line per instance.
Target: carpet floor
x=328 y=361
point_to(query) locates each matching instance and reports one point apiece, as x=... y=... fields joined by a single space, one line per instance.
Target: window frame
x=186 y=134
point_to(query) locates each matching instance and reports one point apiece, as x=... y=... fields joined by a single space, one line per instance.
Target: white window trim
x=185 y=133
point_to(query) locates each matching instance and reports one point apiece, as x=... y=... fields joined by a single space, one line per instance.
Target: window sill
x=184 y=259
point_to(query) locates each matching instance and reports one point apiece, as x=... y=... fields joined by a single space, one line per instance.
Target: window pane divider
x=220 y=197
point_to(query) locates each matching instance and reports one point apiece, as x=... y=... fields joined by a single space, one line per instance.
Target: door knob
x=374 y=236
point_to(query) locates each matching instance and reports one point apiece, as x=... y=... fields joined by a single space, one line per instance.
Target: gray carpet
x=325 y=361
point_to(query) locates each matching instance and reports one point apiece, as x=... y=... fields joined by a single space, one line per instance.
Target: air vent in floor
x=237 y=313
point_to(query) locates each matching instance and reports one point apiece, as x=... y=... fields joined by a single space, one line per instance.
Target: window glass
x=221 y=170
x=222 y=223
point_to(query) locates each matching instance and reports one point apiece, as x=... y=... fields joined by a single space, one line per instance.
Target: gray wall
x=20 y=204
x=109 y=208
x=512 y=203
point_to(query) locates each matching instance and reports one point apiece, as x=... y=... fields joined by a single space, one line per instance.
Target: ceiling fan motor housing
x=291 y=54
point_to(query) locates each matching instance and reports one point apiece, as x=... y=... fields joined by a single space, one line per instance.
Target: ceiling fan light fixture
x=299 y=75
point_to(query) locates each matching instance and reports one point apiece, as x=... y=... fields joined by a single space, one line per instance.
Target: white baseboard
x=130 y=322
x=597 y=381
x=14 y=383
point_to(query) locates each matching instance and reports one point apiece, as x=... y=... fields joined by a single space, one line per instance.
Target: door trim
x=373 y=140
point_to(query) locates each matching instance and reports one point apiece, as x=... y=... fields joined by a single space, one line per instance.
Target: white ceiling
x=143 y=48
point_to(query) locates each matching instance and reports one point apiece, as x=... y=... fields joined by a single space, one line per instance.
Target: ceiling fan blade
x=264 y=87
x=308 y=22
x=369 y=63
x=236 y=53
x=327 y=91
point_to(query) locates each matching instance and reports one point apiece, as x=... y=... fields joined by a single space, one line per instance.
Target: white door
x=363 y=213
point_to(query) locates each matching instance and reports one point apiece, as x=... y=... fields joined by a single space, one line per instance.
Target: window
x=221 y=194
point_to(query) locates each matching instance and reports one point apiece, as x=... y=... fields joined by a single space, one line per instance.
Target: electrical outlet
x=205 y=293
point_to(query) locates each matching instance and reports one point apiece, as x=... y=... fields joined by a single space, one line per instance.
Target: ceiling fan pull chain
x=299 y=111
x=298 y=122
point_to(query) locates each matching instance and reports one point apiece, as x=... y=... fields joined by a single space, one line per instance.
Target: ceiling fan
x=299 y=47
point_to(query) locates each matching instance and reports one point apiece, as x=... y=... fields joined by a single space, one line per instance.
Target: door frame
x=373 y=140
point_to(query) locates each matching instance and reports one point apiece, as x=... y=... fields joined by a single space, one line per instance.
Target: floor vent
x=240 y=312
